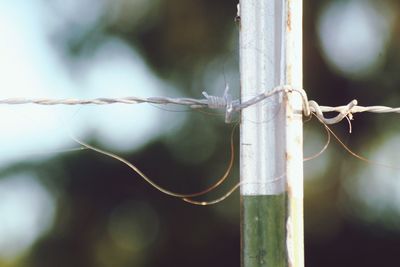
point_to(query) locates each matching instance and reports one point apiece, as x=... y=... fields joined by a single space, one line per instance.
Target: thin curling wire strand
x=225 y=196
x=328 y=140
x=160 y=188
x=353 y=153
x=212 y=202
x=328 y=131
x=233 y=189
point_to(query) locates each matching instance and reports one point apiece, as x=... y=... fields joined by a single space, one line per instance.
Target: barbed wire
x=217 y=102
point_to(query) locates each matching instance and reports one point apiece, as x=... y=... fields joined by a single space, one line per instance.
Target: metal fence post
x=271 y=141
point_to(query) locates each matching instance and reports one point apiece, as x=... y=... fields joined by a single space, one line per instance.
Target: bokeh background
x=78 y=208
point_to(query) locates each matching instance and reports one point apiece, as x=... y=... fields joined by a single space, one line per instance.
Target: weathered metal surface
x=262 y=125
x=271 y=133
x=294 y=132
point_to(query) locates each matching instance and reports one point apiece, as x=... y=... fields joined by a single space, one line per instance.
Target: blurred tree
x=107 y=216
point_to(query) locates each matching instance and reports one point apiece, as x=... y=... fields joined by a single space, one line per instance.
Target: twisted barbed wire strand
x=217 y=102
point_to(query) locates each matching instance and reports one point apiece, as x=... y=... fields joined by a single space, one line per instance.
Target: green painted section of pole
x=264 y=231
x=271 y=153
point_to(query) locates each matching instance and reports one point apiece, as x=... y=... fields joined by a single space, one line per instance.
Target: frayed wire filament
x=187 y=197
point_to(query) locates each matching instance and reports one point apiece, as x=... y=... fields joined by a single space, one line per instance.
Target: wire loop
x=343 y=113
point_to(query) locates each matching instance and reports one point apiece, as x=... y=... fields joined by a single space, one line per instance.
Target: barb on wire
x=218 y=102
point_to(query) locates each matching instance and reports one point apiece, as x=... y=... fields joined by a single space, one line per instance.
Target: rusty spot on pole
x=289 y=19
x=288 y=156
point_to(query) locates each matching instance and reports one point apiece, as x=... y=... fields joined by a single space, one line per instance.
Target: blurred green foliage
x=107 y=216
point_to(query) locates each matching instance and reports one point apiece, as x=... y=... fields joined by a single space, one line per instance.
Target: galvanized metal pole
x=271 y=155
